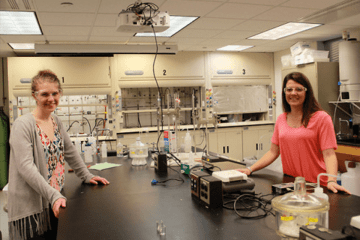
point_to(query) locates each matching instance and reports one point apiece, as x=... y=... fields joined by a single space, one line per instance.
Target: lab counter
x=130 y=206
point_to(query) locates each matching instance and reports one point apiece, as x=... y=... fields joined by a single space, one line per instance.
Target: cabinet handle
x=257 y=147
x=227 y=149
x=224 y=149
x=63 y=80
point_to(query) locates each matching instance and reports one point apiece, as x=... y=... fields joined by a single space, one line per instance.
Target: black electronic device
x=195 y=177
x=211 y=159
x=238 y=186
x=282 y=188
x=316 y=232
x=211 y=191
x=160 y=162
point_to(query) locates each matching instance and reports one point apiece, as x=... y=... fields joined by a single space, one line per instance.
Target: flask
x=119 y=149
x=187 y=142
x=103 y=150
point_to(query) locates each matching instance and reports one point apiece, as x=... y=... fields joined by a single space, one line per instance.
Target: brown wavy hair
x=44 y=75
x=310 y=105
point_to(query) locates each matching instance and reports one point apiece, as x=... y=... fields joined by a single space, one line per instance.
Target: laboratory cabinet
x=241 y=68
x=256 y=140
x=182 y=69
x=229 y=142
x=324 y=78
x=81 y=72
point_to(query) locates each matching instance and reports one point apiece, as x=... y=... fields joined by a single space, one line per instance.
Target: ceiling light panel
x=284 y=30
x=17 y=23
x=22 y=46
x=177 y=23
x=234 y=48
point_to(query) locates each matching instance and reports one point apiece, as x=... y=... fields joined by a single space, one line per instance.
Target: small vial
x=157 y=227
x=163 y=230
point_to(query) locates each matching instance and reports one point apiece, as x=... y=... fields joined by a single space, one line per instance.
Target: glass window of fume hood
x=139 y=105
x=78 y=113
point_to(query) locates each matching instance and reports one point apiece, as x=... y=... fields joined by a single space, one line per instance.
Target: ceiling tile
x=352 y=21
x=66 y=19
x=186 y=40
x=250 y=42
x=108 y=39
x=262 y=2
x=107 y=20
x=109 y=31
x=256 y=25
x=312 y=37
x=284 y=14
x=197 y=33
x=218 y=42
x=326 y=29
x=214 y=23
x=116 y=6
x=237 y=10
x=79 y=6
x=189 y=8
x=66 y=30
x=200 y=48
x=235 y=34
x=318 y=4
x=73 y=38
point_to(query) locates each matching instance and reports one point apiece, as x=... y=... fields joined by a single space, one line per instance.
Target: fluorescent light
x=15 y=23
x=284 y=30
x=176 y=24
x=234 y=48
x=22 y=46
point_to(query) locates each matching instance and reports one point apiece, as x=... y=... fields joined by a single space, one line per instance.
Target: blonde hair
x=44 y=76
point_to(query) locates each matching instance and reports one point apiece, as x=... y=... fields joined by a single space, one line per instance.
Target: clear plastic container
x=297 y=209
x=138 y=153
x=119 y=149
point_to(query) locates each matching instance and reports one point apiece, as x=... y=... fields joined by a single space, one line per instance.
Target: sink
x=349 y=141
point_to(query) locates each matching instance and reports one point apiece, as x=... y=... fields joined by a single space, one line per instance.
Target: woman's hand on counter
x=244 y=170
x=97 y=179
x=334 y=187
x=61 y=202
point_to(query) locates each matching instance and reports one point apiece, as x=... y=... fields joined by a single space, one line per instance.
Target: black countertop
x=129 y=207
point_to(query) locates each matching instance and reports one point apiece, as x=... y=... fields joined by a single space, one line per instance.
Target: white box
x=298 y=48
x=230 y=175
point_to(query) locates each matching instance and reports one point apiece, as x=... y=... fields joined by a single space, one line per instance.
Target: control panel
x=211 y=191
x=160 y=162
x=195 y=182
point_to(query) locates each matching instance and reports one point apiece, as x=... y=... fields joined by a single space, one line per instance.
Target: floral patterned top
x=54 y=156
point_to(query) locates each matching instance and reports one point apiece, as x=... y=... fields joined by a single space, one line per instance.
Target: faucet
x=347 y=123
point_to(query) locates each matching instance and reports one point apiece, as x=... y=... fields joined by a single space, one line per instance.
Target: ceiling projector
x=132 y=22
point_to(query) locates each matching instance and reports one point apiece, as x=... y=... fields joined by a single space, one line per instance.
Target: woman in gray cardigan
x=39 y=147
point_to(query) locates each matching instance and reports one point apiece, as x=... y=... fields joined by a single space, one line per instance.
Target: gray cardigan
x=29 y=192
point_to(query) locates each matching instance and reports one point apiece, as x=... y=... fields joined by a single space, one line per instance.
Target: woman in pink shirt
x=304 y=136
